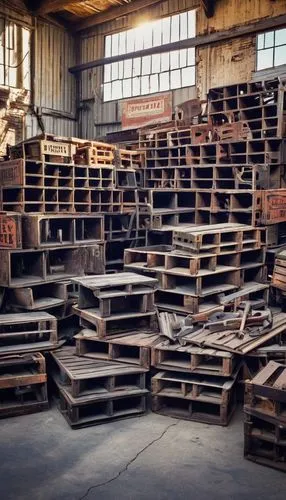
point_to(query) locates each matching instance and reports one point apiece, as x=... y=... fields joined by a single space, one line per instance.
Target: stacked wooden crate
x=42 y=245
x=265 y=417
x=228 y=170
x=104 y=378
x=203 y=263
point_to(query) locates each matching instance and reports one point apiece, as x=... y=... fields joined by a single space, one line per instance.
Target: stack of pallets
x=265 y=417
x=202 y=263
x=104 y=378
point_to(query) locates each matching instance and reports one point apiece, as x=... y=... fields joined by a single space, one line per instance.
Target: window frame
x=180 y=65
x=273 y=47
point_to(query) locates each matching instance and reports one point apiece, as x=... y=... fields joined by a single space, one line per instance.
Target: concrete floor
x=146 y=458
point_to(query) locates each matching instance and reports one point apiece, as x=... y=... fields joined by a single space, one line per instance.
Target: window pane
x=280 y=55
x=166 y=29
x=138 y=38
x=136 y=66
x=127 y=88
x=135 y=86
x=115 y=44
x=107 y=92
x=130 y=41
x=183 y=58
x=174 y=59
x=147 y=36
x=127 y=68
x=183 y=26
x=191 y=56
x=116 y=90
x=175 y=28
x=120 y=69
x=157 y=33
x=191 y=24
x=122 y=43
x=188 y=77
x=156 y=63
x=164 y=81
x=264 y=59
x=260 y=41
x=107 y=72
x=108 y=46
x=280 y=36
x=114 y=71
x=154 y=84
x=145 y=88
x=146 y=65
x=165 y=61
x=175 y=79
x=269 y=39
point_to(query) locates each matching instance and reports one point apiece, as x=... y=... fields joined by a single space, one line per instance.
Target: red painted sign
x=144 y=111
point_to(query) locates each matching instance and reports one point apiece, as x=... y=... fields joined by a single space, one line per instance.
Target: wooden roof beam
x=113 y=13
x=48 y=6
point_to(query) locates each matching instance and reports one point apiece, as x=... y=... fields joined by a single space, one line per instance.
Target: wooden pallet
x=116 y=323
x=87 y=413
x=192 y=359
x=264 y=440
x=20 y=268
x=266 y=392
x=219 y=238
x=30 y=332
x=208 y=400
x=134 y=349
x=188 y=263
x=95 y=379
x=23 y=387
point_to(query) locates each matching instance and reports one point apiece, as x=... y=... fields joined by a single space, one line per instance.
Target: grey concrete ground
x=146 y=458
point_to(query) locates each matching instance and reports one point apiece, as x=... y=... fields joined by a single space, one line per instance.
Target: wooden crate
x=264 y=440
x=36 y=149
x=23 y=384
x=208 y=400
x=273 y=206
x=20 y=268
x=30 y=332
x=10 y=230
x=266 y=392
x=134 y=349
x=41 y=231
x=279 y=273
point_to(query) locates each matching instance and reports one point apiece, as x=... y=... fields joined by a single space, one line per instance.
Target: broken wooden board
x=228 y=340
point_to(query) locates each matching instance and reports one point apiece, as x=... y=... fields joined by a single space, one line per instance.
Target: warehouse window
x=271 y=49
x=155 y=73
x=14 y=55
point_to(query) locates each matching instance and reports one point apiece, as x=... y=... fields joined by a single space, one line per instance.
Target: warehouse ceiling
x=79 y=13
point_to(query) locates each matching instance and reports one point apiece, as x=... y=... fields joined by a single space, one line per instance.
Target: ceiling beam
x=113 y=13
x=47 y=6
x=198 y=41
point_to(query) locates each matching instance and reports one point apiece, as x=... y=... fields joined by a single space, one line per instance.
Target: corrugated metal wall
x=53 y=87
x=220 y=64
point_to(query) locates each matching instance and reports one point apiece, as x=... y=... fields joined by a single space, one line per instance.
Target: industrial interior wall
x=221 y=63
x=33 y=101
